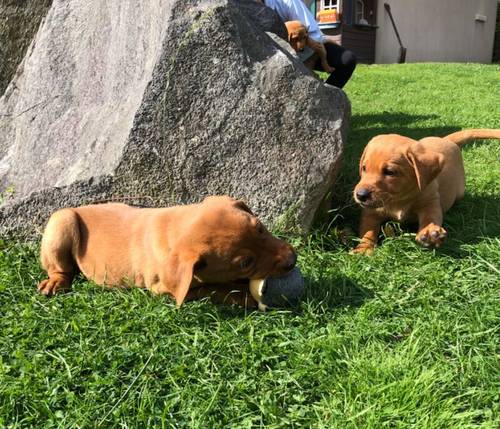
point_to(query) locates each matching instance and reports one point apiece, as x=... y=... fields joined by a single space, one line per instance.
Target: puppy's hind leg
x=59 y=243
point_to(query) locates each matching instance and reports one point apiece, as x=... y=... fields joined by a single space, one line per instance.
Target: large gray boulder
x=19 y=21
x=161 y=103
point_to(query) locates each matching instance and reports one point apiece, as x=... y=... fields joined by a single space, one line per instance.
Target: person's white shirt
x=296 y=10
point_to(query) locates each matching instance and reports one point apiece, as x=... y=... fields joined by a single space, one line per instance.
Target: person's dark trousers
x=344 y=62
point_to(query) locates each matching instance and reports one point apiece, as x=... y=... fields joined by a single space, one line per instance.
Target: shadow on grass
x=336 y=291
x=367 y=126
x=470 y=221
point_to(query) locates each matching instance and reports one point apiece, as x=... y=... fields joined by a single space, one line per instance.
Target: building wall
x=437 y=30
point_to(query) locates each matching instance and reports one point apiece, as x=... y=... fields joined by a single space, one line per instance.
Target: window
x=330 y=4
x=329 y=11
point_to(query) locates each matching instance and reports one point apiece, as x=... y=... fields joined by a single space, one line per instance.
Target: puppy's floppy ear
x=426 y=164
x=240 y=204
x=179 y=272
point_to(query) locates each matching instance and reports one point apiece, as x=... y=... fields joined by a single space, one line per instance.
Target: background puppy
x=197 y=249
x=298 y=38
x=406 y=180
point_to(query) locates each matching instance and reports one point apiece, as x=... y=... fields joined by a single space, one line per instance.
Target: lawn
x=408 y=338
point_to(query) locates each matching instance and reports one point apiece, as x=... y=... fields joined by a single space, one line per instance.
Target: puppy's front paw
x=327 y=67
x=431 y=236
x=50 y=287
x=363 y=249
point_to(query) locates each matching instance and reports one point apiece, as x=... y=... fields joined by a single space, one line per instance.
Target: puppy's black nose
x=363 y=194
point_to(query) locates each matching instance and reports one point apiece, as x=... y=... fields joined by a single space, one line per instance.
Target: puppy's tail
x=462 y=137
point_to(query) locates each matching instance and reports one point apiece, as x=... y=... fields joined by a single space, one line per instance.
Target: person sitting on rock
x=343 y=60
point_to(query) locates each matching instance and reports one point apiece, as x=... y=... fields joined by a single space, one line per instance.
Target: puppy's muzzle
x=288 y=261
x=363 y=195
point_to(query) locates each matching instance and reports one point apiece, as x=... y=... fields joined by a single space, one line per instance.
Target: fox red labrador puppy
x=405 y=180
x=186 y=251
x=298 y=38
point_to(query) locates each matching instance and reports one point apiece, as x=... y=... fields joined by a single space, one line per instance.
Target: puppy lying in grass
x=298 y=38
x=407 y=180
x=188 y=251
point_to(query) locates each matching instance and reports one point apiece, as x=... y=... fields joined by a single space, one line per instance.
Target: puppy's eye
x=363 y=168
x=247 y=262
x=387 y=172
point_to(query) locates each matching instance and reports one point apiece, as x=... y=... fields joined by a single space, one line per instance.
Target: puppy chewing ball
x=275 y=292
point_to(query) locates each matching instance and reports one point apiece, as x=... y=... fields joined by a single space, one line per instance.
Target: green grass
x=406 y=339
